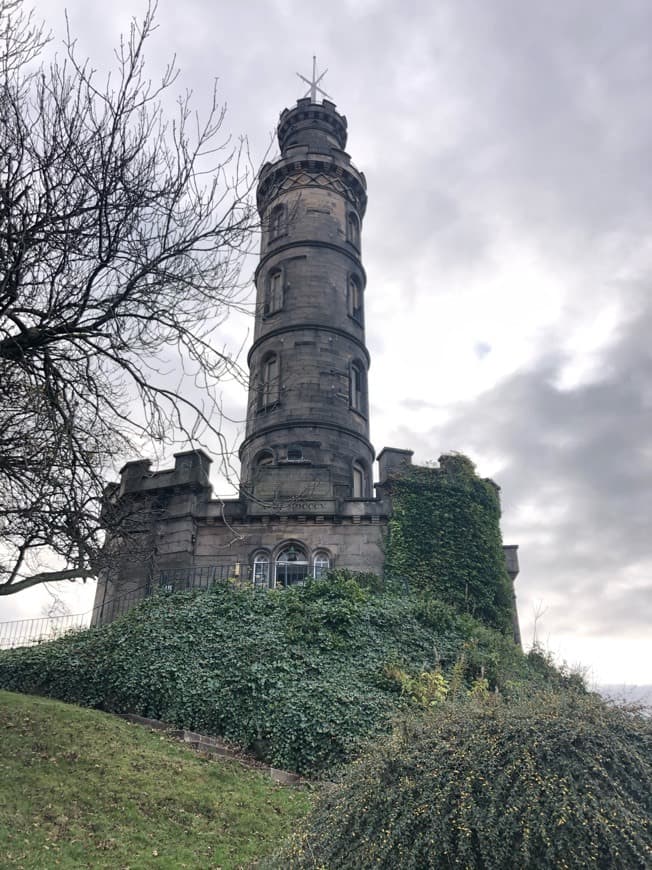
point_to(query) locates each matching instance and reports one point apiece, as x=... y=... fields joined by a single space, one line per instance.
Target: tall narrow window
x=320 y=565
x=359 y=480
x=353 y=229
x=277 y=222
x=354 y=300
x=270 y=381
x=356 y=387
x=260 y=570
x=274 y=292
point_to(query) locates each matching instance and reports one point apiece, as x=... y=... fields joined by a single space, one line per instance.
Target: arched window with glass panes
x=260 y=569
x=353 y=229
x=277 y=222
x=321 y=564
x=274 y=292
x=291 y=567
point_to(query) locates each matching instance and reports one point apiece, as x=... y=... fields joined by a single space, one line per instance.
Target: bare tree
x=122 y=234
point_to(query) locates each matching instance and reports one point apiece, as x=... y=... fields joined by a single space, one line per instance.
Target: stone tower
x=307 y=436
x=307 y=501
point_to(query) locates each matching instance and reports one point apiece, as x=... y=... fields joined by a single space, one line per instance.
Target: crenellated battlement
x=314 y=124
x=191 y=469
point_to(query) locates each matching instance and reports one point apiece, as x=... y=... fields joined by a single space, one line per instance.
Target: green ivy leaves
x=444 y=537
x=297 y=676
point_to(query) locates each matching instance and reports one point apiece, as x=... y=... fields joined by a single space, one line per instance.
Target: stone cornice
x=346 y=248
x=274 y=179
x=320 y=327
x=308 y=423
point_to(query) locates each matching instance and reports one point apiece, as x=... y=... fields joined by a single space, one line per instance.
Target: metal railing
x=28 y=632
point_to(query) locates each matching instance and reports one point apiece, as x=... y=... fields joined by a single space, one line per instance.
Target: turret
x=307 y=435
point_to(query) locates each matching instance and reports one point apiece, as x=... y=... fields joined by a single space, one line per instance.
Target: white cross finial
x=314 y=82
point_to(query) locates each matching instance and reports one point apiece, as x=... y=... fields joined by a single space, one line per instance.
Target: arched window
x=320 y=564
x=265 y=457
x=291 y=566
x=274 y=292
x=353 y=229
x=269 y=391
x=277 y=222
x=354 y=298
x=360 y=488
x=356 y=387
x=260 y=570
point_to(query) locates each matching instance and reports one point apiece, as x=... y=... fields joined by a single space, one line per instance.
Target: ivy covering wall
x=444 y=538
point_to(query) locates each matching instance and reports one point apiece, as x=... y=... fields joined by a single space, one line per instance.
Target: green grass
x=79 y=788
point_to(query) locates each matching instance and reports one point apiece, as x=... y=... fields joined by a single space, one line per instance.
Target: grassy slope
x=80 y=788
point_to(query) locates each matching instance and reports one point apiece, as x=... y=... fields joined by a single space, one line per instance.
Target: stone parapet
x=191 y=468
x=393 y=461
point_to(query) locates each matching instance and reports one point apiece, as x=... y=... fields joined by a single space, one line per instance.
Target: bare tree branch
x=122 y=235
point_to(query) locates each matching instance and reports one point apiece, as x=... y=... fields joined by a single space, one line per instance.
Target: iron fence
x=28 y=632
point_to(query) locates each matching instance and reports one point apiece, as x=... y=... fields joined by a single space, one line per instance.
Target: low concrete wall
x=216 y=748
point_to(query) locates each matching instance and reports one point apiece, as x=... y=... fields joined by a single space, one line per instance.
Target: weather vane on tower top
x=314 y=82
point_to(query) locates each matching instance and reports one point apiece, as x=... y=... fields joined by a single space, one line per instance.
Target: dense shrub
x=557 y=781
x=299 y=675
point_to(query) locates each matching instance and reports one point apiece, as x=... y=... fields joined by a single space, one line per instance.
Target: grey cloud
x=583 y=459
x=417 y=404
x=552 y=130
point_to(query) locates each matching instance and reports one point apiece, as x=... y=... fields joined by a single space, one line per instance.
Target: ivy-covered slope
x=302 y=676
x=444 y=537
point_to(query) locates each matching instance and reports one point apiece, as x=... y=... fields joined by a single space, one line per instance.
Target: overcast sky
x=508 y=153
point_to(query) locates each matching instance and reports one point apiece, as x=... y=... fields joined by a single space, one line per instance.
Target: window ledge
x=267 y=408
